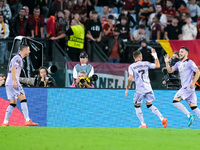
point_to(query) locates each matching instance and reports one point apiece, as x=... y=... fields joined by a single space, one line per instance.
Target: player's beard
x=183 y=57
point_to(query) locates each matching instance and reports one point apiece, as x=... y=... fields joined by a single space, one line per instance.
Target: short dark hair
x=136 y=54
x=185 y=48
x=23 y=46
x=94 y=12
x=141 y=26
x=110 y=17
x=176 y=52
x=124 y=17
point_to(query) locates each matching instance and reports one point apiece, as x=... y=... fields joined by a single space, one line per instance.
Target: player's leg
x=149 y=97
x=194 y=107
x=138 y=100
x=25 y=112
x=180 y=106
x=192 y=101
x=9 y=111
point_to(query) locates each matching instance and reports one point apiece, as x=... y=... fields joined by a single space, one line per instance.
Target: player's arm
x=13 y=70
x=196 y=77
x=130 y=79
x=154 y=54
x=167 y=59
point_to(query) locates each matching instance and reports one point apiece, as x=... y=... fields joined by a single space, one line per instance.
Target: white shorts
x=12 y=93
x=148 y=97
x=187 y=94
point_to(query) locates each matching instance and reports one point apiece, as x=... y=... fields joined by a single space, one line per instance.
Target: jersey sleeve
x=175 y=66
x=193 y=65
x=16 y=62
x=152 y=65
x=130 y=70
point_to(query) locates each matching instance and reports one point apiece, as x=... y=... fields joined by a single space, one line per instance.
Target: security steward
x=75 y=43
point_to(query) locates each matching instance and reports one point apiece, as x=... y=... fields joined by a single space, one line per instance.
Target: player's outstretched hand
x=126 y=92
x=166 y=58
x=154 y=54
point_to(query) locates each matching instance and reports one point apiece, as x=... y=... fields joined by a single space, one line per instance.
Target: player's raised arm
x=154 y=54
x=13 y=70
x=167 y=60
x=130 y=79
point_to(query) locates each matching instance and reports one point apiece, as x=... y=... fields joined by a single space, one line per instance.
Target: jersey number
x=142 y=73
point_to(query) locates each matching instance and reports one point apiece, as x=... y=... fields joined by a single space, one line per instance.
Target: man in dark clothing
x=173 y=30
x=93 y=33
x=115 y=47
x=19 y=25
x=146 y=51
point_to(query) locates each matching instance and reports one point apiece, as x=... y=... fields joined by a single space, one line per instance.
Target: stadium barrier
x=69 y=107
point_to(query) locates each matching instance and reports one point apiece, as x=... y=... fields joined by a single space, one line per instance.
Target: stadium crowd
x=79 y=25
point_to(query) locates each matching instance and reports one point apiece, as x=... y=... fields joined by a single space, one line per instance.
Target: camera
x=89 y=79
x=28 y=81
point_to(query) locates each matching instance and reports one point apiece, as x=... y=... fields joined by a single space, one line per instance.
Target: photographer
x=44 y=79
x=82 y=81
x=171 y=78
x=2 y=80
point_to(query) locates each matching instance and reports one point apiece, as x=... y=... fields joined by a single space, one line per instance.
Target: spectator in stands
x=173 y=30
x=51 y=26
x=36 y=3
x=109 y=27
x=156 y=29
x=130 y=19
x=2 y=80
x=44 y=79
x=36 y=22
x=5 y=10
x=75 y=44
x=77 y=17
x=90 y=4
x=19 y=24
x=146 y=51
x=145 y=9
x=58 y=5
x=93 y=33
x=124 y=29
x=81 y=9
x=111 y=12
x=27 y=11
x=141 y=33
x=198 y=28
x=83 y=66
x=67 y=18
x=182 y=18
x=104 y=15
x=115 y=47
x=189 y=31
x=81 y=82
x=130 y=5
x=163 y=17
x=183 y=8
x=15 y=5
x=194 y=10
x=4 y=33
x=70 y=6
x=169 y=11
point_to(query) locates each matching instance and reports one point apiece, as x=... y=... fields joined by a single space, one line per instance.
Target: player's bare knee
x=137 y=105
x=193 y=106
x=177 y=99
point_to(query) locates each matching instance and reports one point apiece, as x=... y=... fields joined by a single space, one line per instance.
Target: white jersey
x=140 y=72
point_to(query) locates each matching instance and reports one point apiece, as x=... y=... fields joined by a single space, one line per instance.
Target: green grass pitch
x=71 y=138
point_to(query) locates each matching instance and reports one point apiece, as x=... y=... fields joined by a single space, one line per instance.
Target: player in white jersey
x=139 y=71
x=14 y=89
x=186 y=68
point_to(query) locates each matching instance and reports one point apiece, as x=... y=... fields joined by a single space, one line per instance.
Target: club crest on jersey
x=17 y=62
